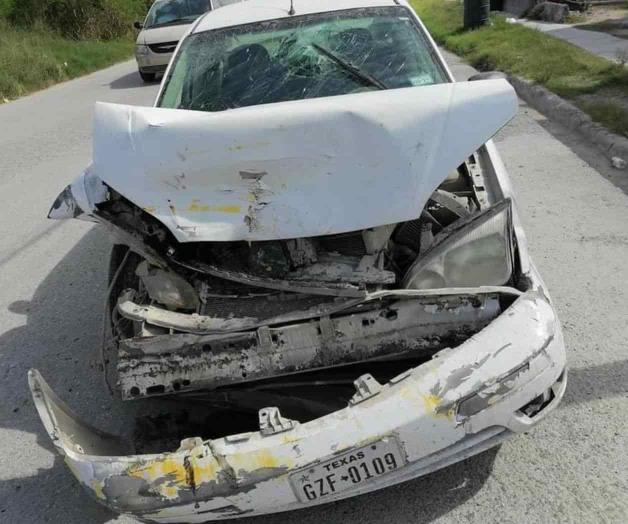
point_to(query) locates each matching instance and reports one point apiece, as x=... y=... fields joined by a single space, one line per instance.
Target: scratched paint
x=167 y=475
x=98 y=489
x=197 y=207
x=244 y=463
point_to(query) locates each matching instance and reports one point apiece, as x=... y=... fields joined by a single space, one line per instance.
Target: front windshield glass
x=300 y=57
x=171 y=12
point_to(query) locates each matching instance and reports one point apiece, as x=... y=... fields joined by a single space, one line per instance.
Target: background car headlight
x=141 y=50
x=477 y=253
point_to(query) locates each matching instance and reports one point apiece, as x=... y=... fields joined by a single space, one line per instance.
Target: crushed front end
x=309 y=368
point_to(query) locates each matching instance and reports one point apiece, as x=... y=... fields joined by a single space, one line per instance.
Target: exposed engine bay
x=238 y=326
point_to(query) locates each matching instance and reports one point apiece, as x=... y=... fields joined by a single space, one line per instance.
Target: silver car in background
x=166 y=22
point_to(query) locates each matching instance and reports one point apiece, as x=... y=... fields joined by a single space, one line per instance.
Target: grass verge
x=567 y=70
x=37 y=58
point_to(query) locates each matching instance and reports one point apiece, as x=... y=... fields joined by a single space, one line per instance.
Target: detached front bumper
x=464 y=401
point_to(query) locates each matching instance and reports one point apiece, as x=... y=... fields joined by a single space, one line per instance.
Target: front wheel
x=122 y=265
x=147 y=77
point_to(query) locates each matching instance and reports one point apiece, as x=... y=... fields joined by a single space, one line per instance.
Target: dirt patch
x=605 y=19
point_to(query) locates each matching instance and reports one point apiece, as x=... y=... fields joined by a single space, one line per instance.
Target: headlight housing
x=141 y=49
x=478 y=252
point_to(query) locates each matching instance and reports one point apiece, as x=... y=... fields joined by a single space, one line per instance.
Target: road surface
x=573 y=468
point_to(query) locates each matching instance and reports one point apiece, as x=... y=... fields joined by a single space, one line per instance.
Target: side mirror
x=138 y=25
x=488 y=75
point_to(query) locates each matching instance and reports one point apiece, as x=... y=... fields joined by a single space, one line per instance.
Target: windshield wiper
x=174 y=21
x=362 y=76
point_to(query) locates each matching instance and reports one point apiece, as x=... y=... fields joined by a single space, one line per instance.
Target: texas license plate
x=348 y=470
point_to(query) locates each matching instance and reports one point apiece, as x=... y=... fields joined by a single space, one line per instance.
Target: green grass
x=35 y=58
x=608 y=113
x=567 y=70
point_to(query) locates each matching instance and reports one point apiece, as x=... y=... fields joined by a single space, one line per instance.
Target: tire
x=126 y=279
x=147 y=77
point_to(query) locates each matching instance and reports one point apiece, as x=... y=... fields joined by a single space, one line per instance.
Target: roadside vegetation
x=43 y=42
x=599 y=87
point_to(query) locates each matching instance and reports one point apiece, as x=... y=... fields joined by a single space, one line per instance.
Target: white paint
x=162 y=34
x=253 y=11
x=325 y=165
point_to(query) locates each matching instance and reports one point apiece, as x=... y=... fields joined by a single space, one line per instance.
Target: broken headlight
x=476 y=253
x=79 y=199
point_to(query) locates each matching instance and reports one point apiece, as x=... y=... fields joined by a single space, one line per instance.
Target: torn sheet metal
x=295 y=169
x=416 y=328
x=206 y=324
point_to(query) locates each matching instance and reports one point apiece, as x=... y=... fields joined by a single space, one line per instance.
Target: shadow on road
x=596 y=382
x=58 y=337
x=131 y=81
x=588 y=153
x=62 y=329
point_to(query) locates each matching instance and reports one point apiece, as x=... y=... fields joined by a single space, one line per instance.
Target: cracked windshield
x=172 y=12
x=301 y=57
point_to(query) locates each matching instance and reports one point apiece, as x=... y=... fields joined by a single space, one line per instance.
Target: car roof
x=251 y=11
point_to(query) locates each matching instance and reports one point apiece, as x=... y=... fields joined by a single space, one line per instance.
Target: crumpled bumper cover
x=464 y=401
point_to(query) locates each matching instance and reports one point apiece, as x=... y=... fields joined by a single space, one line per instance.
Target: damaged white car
x=318 y=253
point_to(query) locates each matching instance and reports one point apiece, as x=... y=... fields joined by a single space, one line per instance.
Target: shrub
x=79 y=19
x=5 y=7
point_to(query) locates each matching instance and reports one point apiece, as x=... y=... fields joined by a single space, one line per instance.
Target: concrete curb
x=558 y=109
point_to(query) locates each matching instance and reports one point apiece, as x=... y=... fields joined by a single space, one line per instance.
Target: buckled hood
x=159 y=35
x=296 y=169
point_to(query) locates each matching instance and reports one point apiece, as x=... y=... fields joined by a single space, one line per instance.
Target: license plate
x=346 y=471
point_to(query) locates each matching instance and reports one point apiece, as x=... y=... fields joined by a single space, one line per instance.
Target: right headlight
x=476 y=253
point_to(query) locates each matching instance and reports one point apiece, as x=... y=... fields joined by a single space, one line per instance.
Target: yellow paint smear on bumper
x=196 y=207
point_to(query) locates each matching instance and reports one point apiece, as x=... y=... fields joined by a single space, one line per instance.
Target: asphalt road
x=573 y=468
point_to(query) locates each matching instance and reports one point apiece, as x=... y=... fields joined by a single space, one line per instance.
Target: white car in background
x=166 y=22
